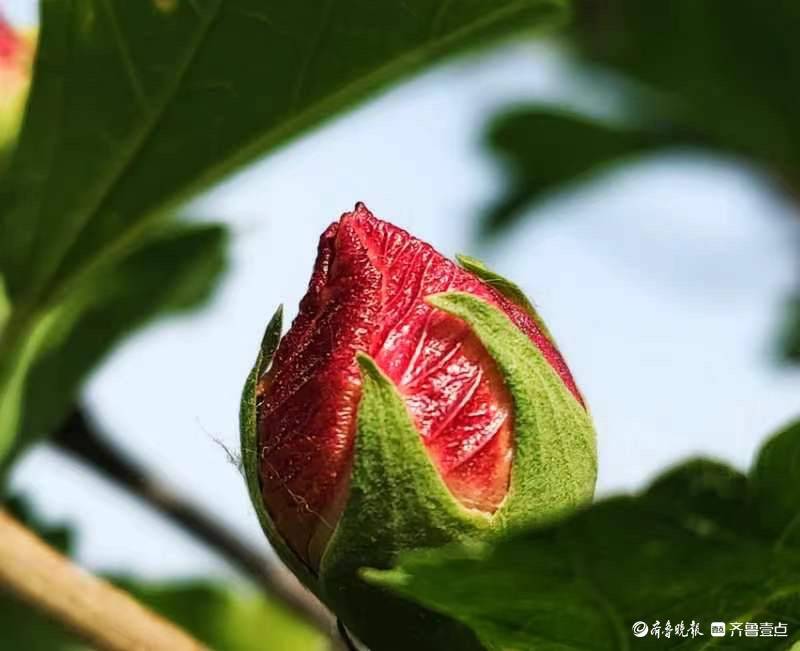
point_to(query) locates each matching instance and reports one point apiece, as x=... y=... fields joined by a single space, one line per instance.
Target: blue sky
x=663 y=285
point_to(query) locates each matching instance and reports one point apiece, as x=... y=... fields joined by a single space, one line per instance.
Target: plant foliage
x=703 y=543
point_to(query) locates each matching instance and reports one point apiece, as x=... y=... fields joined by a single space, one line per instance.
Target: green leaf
x=690 y=548
x=220 y=617
x=217 y=615
x=687 y=73
x=713 y=63
x=226 y=619
x=544 y=149
x=175 y=270
x=776 y=488
x=15 y=364
x=57 y=535
x=23 y=628
x=136 y=105
x=789 y=344
x=700 y=74
x=5 y=305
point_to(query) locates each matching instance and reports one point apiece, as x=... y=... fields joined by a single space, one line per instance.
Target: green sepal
x=250 y=454
x=397 y=501
x=506 y=287
x=555 y=458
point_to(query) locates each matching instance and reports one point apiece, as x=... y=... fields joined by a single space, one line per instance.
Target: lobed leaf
x=693 y=547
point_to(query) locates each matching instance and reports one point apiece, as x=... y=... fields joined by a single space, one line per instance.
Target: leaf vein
x=305 y=71
x=127 y=60
x=438 y=19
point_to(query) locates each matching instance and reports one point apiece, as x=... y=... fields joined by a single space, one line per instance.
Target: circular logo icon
x=640 y=629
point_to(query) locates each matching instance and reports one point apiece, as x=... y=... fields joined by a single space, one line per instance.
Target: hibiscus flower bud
x=16 y=53
x=413 y=403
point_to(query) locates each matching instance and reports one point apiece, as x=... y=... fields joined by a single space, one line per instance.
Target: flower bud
x=16 y=53
x=413 y=403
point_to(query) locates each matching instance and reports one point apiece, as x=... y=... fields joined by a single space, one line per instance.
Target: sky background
x=663 y=285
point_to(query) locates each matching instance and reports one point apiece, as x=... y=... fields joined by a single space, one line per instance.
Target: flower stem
x=104 y=616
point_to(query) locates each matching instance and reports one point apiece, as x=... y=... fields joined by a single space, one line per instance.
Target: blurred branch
x=78 y=438
x=349 y=644
x=104 y=616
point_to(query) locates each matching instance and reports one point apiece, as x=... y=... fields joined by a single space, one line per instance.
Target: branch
x=104 y=616
x=78 y=438
x=349 y=643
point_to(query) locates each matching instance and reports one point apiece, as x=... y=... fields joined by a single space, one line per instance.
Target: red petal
x=310 y=396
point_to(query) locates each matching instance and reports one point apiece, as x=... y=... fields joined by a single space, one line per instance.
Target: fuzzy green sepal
x=250 y=453
x=555 y=458
x=397 y=502
x=506 y=287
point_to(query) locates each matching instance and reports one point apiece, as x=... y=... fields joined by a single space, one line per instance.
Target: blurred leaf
x=731 y=70
x=703 y=543
x=174 y=270
x=5 y=305
x=25 y=629
x=224 y=618
x=545 y=148
x=228 y=620
x=22 y=627
x=16 y=362
x=135 y=105
x=59 y=535
x=718 y=74
x=790 y=337
x=776 y=486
